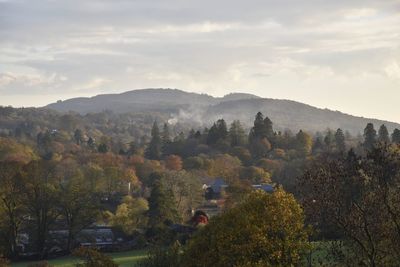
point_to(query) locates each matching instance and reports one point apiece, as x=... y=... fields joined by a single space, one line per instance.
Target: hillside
x=204 y=109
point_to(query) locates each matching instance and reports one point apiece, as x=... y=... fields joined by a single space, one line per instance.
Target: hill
x=203 y=109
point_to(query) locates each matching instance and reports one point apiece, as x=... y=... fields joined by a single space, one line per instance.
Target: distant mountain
x=203 y=109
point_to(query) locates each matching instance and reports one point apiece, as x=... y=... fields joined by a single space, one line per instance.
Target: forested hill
x=203 y=109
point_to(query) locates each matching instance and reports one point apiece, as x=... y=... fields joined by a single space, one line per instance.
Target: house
x=265 y=187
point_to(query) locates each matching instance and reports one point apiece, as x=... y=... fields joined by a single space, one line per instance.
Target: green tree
x=186 y=189
x=303 y=143
x=40 y=197
x=217 y=133
x=165 y=139
x=93 y=258
x=329 y=139
x=259 y=129
x=153 y=150
x=78 y=205
x=102 y=148
x=162 y=205
x=396 y=136
x=340 y=140
x=130 y=214
x=12 y=207
x=369 y=136
x=264 y=230
x=383 y=134
x=78 y=136
x=237 y=134
x=356 y=200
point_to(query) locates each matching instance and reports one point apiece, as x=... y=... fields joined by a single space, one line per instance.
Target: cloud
x=77 y=48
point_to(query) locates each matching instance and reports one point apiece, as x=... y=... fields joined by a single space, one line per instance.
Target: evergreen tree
x=268 y=128
x=329 y=139
x=259 y=130
x=340 y=140
x=78 y=136
x=132 y=149
x=212 y=136
x=217 y=132
x=102 y=148
x=237 y=134
x=383 y=134
x=303 y=143
x=396 y=136
x=369 y=136
x=153 y=150
x=318 y=145
x=166 y=139
x=162 y=206
x=222 y=129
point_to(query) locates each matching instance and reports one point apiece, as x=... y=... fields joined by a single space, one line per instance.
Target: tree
x=166 y=139
x=340 y=140
x=78 y=205
x=218 y=132
x=259 y=129
x=303 y=143
x=264 y=230
x=269 y=129
x=153 y=150
x=40 y=196
x=356 y=200
x=383 y=134
x=173 y=162
x=396 y=136
x=91 y=143
x=78 y=136
x=329 y=139
x=186 y=189
x=162 y=206
x=102 y=148
x=130 y=214
x=369 y=136
x=12 y=151
x=93 y=258
x=237 y=134
x=12 y=207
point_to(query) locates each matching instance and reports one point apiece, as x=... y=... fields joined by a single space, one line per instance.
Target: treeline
x=65 y=171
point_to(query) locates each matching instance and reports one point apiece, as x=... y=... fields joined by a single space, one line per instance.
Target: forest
x=150 y=183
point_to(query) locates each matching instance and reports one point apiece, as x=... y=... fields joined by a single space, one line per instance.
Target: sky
x=342 y=55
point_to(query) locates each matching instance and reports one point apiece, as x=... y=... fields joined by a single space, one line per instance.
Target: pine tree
x=396 y=136
x=217 y=132
x=78 y=136
x=166 y=139
x=340 y=140
x=259 y=129
x=369 y=136
x=153 y=150
x=329 y=139
x=383 y=134
x=162 y=206
x=237 y=134
x=268 y=128
x=222 y=129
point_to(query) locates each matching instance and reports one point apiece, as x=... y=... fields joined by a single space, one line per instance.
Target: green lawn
x=125 y=259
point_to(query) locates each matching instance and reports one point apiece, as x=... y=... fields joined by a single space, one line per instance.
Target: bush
x=162 y=257
x=93 y=258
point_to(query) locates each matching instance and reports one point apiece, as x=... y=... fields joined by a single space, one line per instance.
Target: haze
x=343 y=55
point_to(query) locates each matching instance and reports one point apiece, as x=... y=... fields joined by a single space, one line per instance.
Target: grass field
x=124 y=259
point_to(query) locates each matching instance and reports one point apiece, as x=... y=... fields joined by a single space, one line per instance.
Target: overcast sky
x=342 y=54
